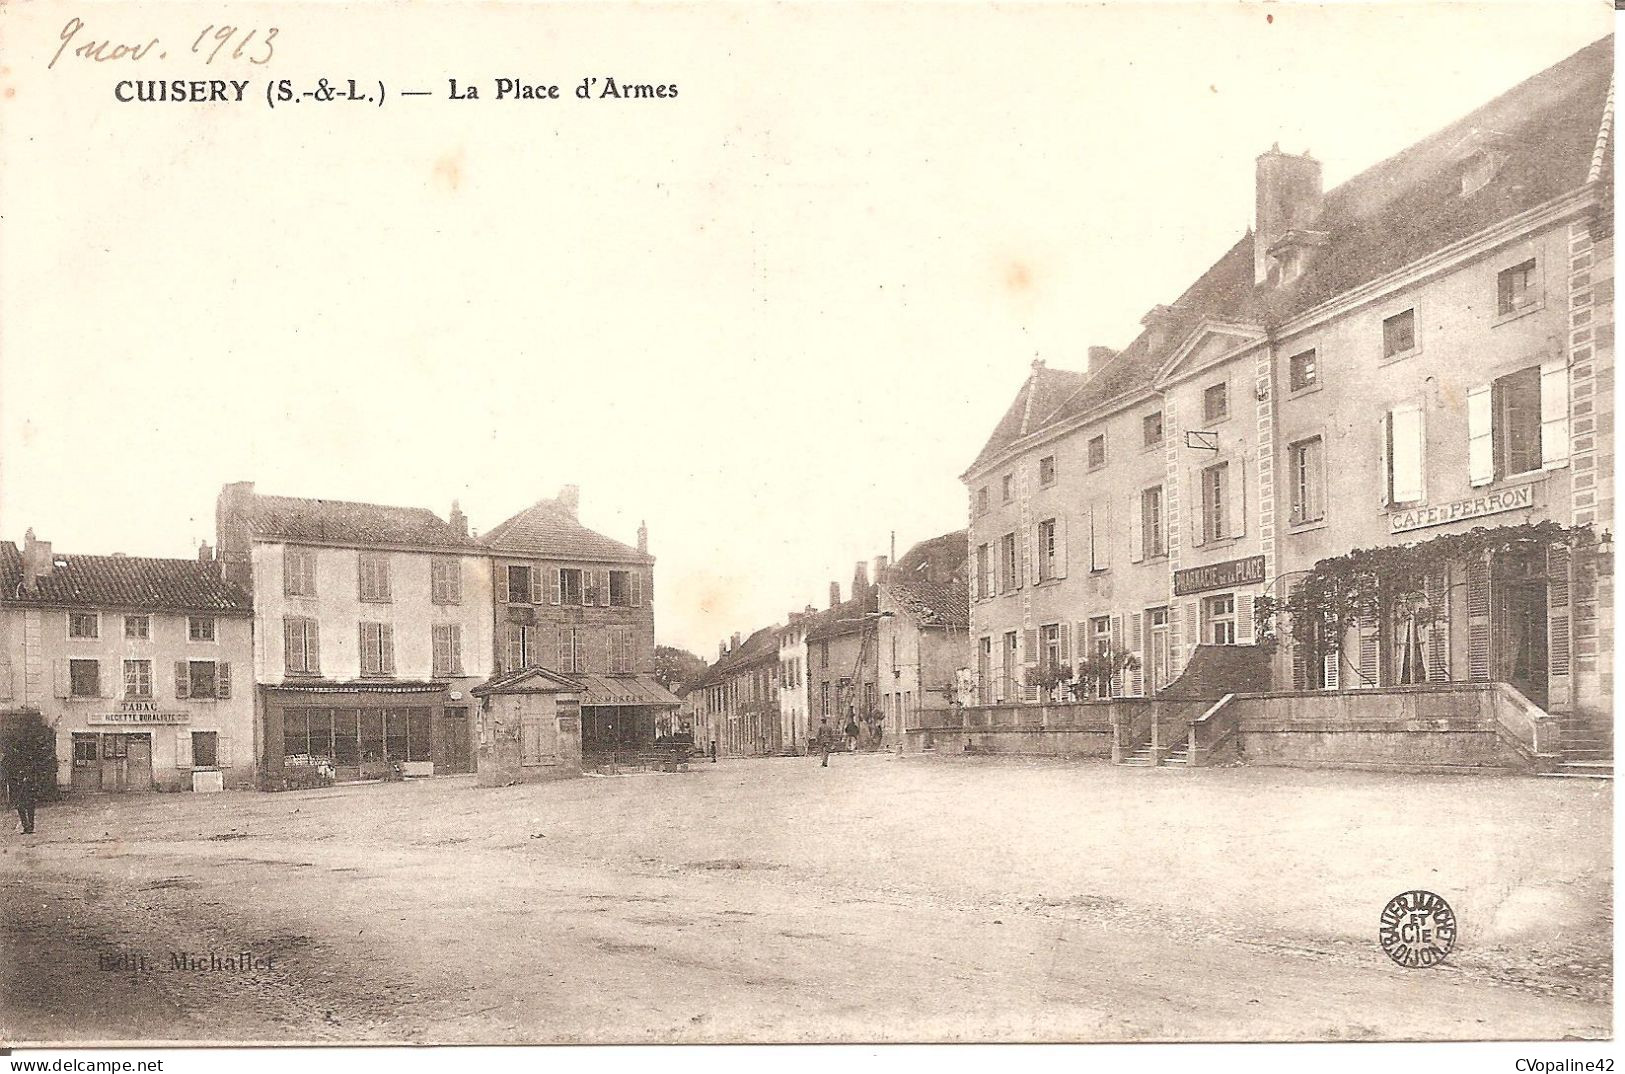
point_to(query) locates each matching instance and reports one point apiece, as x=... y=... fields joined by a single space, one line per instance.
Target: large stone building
x=372 y=624
x=1373 y=399
x=581 y=606
x=141 y=667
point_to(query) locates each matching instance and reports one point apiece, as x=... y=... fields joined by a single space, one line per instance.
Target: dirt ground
x=772 y=900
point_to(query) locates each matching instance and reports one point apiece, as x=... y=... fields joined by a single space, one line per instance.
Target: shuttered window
x=448 y=649
x=373 y=572
x=446 y=580
x=377 y=649
x=300 y=648
x=1306 y=476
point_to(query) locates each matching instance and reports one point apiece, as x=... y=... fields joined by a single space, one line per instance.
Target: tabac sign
x=138 y=712
x=1489 y=503
x=1226 y=575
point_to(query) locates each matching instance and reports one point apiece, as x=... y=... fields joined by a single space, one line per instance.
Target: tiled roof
x=934 y=603
x=846 y=617
x=550 y=530
x=759 y=648
x=160 y=585
x=944 y=557
x=294 y=518
x=1390 y=215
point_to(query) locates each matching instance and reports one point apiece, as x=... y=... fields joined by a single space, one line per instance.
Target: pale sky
x=775 y=316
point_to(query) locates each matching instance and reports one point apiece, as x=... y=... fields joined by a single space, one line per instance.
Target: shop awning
x=624 y=690
x=358 y=686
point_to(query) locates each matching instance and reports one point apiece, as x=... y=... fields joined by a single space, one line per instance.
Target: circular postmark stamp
x=1418 y=929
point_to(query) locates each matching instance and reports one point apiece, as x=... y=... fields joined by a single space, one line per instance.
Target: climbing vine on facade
x=1338 y=593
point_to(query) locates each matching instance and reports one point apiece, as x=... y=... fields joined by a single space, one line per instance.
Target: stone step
x=1561 y=774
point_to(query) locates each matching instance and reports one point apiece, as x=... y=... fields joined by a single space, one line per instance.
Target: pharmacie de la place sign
x=1226 y=575
x=1489 y=503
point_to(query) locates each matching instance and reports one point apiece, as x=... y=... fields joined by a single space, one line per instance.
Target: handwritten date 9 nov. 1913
x=250 y=44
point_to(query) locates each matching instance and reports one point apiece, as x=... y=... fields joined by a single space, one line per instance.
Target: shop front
x=619 y=714
x=317 y=734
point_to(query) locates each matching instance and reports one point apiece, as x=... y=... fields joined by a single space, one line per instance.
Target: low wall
x=1481 y=727
x=1075 y=729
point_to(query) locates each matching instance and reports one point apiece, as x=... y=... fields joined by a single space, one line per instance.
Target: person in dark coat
x=825 y=739
x=23 y=795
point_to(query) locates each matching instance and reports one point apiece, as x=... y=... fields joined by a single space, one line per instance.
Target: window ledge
x=1390 y=359
x=1306 y=527
x=1160 y=557
x=1301 y=392
x=1522 y=311
x=1147 y=449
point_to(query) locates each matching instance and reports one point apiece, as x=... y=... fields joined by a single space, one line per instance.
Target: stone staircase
x=1588 y=748
x=1175 y=756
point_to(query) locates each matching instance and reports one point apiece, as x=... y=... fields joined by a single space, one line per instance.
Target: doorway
x=1158 y=652
x=456 y=739
x=1519 y=628
x=115 y=762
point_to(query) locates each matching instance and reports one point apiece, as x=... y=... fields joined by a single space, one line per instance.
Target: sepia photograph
x=806 y=524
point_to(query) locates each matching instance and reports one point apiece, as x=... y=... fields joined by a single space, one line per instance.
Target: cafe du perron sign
x=1226 y=575
x=139 y=713
x=1489 y=503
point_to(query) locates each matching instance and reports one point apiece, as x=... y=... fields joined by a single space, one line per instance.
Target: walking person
x=852 y=734
x=23 y=796
x=825 y=739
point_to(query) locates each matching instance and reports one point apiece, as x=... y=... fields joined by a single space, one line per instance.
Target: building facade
x=922 y=649
x=372 y=624
x=738 y=698
x=1394 y=396
x=139 y=665
x=581 y=605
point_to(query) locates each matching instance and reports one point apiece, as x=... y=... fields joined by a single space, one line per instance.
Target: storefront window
x=346 y=745
x=321 y=732
x=205 y=749
x=395 y=734
x=295 y=732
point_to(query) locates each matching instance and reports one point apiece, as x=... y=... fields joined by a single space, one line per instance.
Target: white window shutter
x=1246 y=627
x=1329 y=665
x=1480 y=435
x=1136 y=528
x=222 y=749
x=183 y=749
x=538 y=586
x=1407 y=458
x=555 y=582
x=1385 y=475
x=1193 y=624
x=501 y=584
x=183 y=681
x=1117 y=644
x=637 y=588
x=1198 y=509
x=1238 y=499
x=386 y=647
x=222 y=680
x=1554 y=414
x=1065 y=631
x=1136 y=639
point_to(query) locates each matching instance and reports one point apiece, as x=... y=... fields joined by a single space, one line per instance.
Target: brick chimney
x=643 y=537
x=37 y=559
x=458 y=520
x=834 y=594
x=205 y=554
x=1099 y=356
x=882 y=564
x=232 y=540
x=735 y=644
x=722 y=648
x=1288 y=199
x=570 y=499
x=860 y=579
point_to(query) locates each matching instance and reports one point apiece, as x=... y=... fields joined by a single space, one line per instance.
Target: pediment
x=1208 y=343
